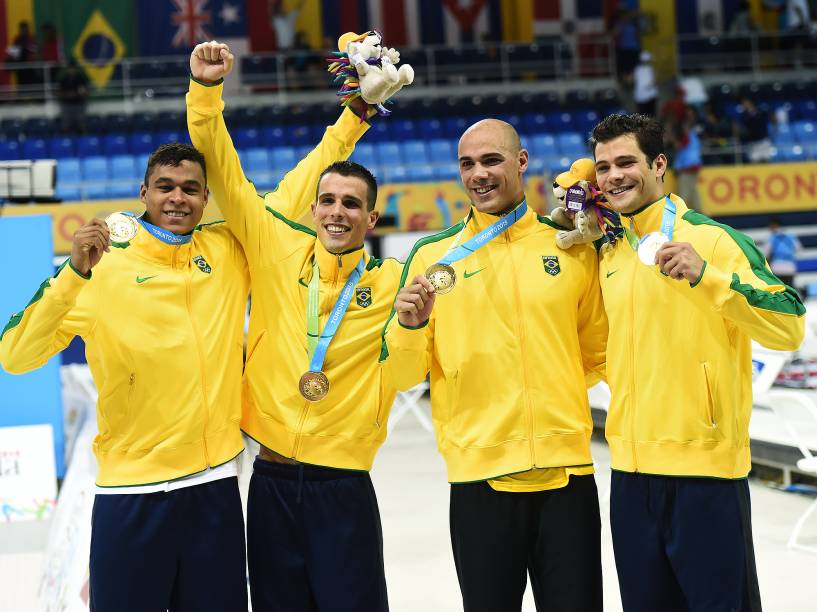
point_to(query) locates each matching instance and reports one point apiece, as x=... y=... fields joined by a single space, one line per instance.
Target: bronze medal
x=442 y=276
x=121 y=227
x=314 y=386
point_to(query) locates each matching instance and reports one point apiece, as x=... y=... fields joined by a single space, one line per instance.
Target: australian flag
x=174 y=27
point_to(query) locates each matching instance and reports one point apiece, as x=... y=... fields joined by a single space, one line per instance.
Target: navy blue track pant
x=683 y=543
x=181 y=551
x=314 y=540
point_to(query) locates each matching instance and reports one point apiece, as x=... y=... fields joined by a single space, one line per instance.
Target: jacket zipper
x=521 y=331
x=200 y=348
x=631 y=346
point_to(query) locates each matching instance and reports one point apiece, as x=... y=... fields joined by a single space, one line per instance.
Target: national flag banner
x=174 y=27
x=95 y=33
x=568 y=17
x=704 y=17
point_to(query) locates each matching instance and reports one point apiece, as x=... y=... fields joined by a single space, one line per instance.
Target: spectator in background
x=50 y=49
x=645 y=92
x=23 y=49
x=674 y=111
x=717 y=134
x=781 y=252
x=753 y=132
x=625 y=30
x=72 y=91
x=688 y=161
x=283 y=23
x=743 y=22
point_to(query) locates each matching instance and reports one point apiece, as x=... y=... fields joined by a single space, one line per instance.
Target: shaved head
x=506 y=134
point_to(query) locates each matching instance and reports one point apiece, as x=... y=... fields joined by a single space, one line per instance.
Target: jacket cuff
x=715 y=284
x=205 y=99
x=68 y=283
x=348 y=128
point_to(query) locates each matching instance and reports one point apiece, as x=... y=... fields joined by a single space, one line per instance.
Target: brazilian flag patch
x=363 y=295
x=202 y=264
x=551 y=263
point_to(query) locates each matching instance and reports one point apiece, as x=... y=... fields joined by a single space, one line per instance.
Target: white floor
x=409 y=476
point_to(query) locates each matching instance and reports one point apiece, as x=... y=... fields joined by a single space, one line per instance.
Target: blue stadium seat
x=446 y=172
x=68 y=171
x=364 y=154
x=585 y=121
x=88 y=145
x=141 y=142
x=789 y=153
x=298 y=135
x=282 y=159
x=273 y=136
x=122 y=189
x=805 y=132
x=442 y=151
x=35 y=148
x=115 y=144
x=123 y=168
x=534 y=123
x=420 y=172
x=167 y=136
x=781 y=134
x=556 y=164
x=536 y=165
x=142 y=165
x=571 y=144
x=543 y=145
x=388 y=154
x=96 y=190
x=379 y=132
x=61 y=147
x=395 y=173
x=453 y=127
x=246 y=138
x=414 y=152
x=68 y=193
x=9 y=149
x=94 y=168
x=402 y=129
x=301 y=152
x=255 y=160
x=429 y=128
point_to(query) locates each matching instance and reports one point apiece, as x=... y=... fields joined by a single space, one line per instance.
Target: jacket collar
x=477 y=221
x=337 y=267
x=151 y=248
x=648 y=218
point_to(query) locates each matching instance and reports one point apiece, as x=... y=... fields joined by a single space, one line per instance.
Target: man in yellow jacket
x=509 y=327
x=685 y=296
x=316 y=396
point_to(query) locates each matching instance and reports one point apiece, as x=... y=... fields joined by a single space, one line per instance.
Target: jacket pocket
x=252 y=350
x=710 y=396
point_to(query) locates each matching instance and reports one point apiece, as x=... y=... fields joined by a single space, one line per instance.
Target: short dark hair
x=350 y=168
x=173 y=154
x=648 y=132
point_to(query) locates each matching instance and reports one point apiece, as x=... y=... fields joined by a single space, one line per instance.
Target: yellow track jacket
x=345 y=429
x=679 y=356
x=163 y=330
x=508 y=349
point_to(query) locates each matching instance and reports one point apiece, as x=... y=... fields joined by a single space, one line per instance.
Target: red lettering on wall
x=721 y=190
x=805 y=189
x=748 y=186
x=776 y=187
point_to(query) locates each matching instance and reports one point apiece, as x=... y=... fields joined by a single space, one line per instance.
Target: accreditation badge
x=314 y=386
x=648 y=247
x=442 y=277
x=121 y=227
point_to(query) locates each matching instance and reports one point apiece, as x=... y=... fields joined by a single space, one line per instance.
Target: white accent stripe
x=412 y=23
x=227 y=470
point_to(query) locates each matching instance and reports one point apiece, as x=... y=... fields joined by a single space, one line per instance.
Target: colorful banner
x=28 y=480
x=762 y=188
x=412 y=206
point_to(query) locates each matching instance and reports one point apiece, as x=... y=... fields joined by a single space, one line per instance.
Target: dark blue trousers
x=314 y=540
x=683 y=543
x=181 y=551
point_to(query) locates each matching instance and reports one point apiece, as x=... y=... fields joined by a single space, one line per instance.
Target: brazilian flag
x=96 y=33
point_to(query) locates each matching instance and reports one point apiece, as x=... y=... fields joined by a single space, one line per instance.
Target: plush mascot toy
x=583 y=207
x=368 y=70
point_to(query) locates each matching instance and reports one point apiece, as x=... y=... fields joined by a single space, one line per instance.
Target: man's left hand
x=679 y=260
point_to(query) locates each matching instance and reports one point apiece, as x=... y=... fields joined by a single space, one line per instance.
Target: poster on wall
x=28 y=479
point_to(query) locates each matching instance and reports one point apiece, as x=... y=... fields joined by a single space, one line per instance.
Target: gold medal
x=442 y=276
x=314 y=386
x=121 y=227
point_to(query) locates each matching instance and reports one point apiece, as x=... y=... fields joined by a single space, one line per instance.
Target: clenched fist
x=90 y=242
x=679 y=260
x=415 y=302
x=211 y=61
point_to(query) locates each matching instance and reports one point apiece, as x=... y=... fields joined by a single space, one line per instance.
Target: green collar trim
x=645 y=207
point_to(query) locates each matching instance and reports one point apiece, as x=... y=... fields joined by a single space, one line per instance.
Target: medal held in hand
x=122 y=227
x=314 y=384
x=442 y=274
x=648 y=245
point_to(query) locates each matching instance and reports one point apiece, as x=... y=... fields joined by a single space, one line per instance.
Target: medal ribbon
x=164 y=235
x=455 y=253
x=667 y=224
x=318 y=345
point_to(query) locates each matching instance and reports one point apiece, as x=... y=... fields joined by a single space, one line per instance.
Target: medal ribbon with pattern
x=314 y=384
x=648 y=245
x=442 y=275
x=164 y=235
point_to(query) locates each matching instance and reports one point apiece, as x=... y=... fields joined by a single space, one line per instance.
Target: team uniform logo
x=551 y=263
x=202 y=264
x=363 y=296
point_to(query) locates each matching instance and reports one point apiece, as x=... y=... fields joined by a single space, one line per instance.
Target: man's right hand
x=211 y=61
x=90 y=241
x=415 y=302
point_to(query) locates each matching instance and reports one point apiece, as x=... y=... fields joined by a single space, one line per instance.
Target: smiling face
x=491 y=165
x=341 y=214
x=175 y=196
x=624 y=175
